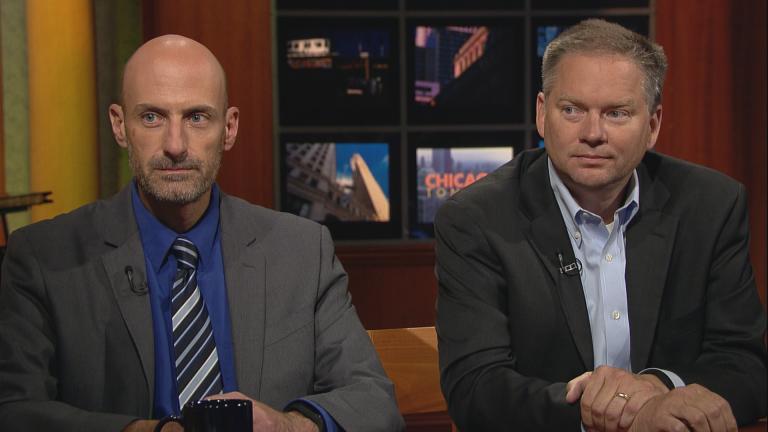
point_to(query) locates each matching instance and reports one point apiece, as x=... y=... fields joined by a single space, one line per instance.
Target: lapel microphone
x=141 y=289
x=570 y=269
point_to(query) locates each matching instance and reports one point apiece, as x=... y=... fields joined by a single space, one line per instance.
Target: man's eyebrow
x=207 y=109
x=142 y=107
x=203 y=108
x=628 y=102
x=567 y=98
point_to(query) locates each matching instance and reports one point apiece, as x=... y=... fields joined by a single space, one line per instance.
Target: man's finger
x=575 y=387
x=606 y=397
x=596 y=382
x=633 y=406
x=693 y=417
x=614 y=413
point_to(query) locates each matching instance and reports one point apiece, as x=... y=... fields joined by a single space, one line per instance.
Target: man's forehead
x=173 y=80
x=612 y=69
x=173 y=63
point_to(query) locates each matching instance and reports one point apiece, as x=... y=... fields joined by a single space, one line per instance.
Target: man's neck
x=603 y=202
x=178 y=217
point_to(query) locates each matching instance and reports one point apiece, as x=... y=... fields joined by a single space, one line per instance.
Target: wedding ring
x=623 y=396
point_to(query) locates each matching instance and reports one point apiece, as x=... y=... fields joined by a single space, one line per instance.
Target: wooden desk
x=440 y=422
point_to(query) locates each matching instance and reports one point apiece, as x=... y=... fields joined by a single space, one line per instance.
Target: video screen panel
x=465 y=71
x=337 y=71
x=587 y=4
x=337 y=4
x=442 y=164
x=348 y=183
x=443 y=5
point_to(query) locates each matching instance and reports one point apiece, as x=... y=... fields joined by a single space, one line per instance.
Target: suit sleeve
x=350 y=382
x=483 y=389
x=28 y=382
x=732 y=359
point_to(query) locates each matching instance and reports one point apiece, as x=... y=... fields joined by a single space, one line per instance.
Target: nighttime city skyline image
x=352 y=70
x=465 y=72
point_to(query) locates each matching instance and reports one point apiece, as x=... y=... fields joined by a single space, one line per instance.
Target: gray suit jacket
x=76 y=343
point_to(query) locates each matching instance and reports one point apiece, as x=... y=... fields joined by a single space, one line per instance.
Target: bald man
x=115 y=315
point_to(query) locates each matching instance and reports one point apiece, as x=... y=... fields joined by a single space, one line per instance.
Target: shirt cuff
x=672 y=380
x=328 y=424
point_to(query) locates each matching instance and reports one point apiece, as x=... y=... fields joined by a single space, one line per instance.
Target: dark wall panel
x=238 y=33
x=392 y=286
x=715 y=97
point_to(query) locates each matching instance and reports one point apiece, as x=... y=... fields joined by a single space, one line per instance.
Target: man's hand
x=149 y=426
x=692 y=407
x=612 y=397
x=268 y=420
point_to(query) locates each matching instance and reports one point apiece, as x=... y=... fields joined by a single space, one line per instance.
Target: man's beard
x=181 y=188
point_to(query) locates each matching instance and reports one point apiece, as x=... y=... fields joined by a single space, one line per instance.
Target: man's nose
x=593 y=129
x=175 y=143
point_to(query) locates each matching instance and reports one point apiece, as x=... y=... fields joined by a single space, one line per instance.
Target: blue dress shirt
x=601 y=249
x=156 y=239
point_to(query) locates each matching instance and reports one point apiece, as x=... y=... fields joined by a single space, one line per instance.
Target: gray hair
x=602 y=37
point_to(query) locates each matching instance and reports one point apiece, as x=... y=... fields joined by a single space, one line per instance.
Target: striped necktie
x=197 y=362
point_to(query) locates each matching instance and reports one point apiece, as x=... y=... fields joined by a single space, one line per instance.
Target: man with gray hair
x=595 y=284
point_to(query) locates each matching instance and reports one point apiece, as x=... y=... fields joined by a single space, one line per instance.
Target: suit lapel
x=549 y=237
x=245 y=275
x=650 y=240
x=117 y=227
x=135 y=308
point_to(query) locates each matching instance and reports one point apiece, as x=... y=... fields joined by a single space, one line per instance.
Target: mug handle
x=163 y=421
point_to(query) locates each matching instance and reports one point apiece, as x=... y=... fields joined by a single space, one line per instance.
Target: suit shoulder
x=270 y=220
x=683 y=177
x=75 y=223
x=501 y=185
x=65 y=240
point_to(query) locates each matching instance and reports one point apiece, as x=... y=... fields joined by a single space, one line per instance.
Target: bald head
x=174 y=121
x=168 y=55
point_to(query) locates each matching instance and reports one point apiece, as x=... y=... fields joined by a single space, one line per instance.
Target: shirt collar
x=157 y=238
x=625 y=213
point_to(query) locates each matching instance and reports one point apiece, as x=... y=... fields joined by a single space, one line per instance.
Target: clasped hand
x=268 y=420
x=612 y=399
x=265 y=419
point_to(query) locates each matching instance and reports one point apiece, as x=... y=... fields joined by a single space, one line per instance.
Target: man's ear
x=541 y=113
x=230 y=128
x=655 y=125
x=117 y=119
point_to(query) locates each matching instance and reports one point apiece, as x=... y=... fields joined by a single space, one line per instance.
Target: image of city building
x=316 y=191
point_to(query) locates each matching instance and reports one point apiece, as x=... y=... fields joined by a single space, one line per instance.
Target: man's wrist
x=300 y=423
x=150 y=426
x=655 y=380
x=656 y=376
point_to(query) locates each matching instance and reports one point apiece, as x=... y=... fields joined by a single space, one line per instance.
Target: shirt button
x=608 y=257
x=577 y=235
x=615 y=315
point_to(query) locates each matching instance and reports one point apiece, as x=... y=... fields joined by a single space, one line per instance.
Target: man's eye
x=570 y=110
x=149 y=117
x=197 y=118
x=617 y=114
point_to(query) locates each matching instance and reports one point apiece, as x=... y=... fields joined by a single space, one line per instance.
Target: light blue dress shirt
x=601 y=250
